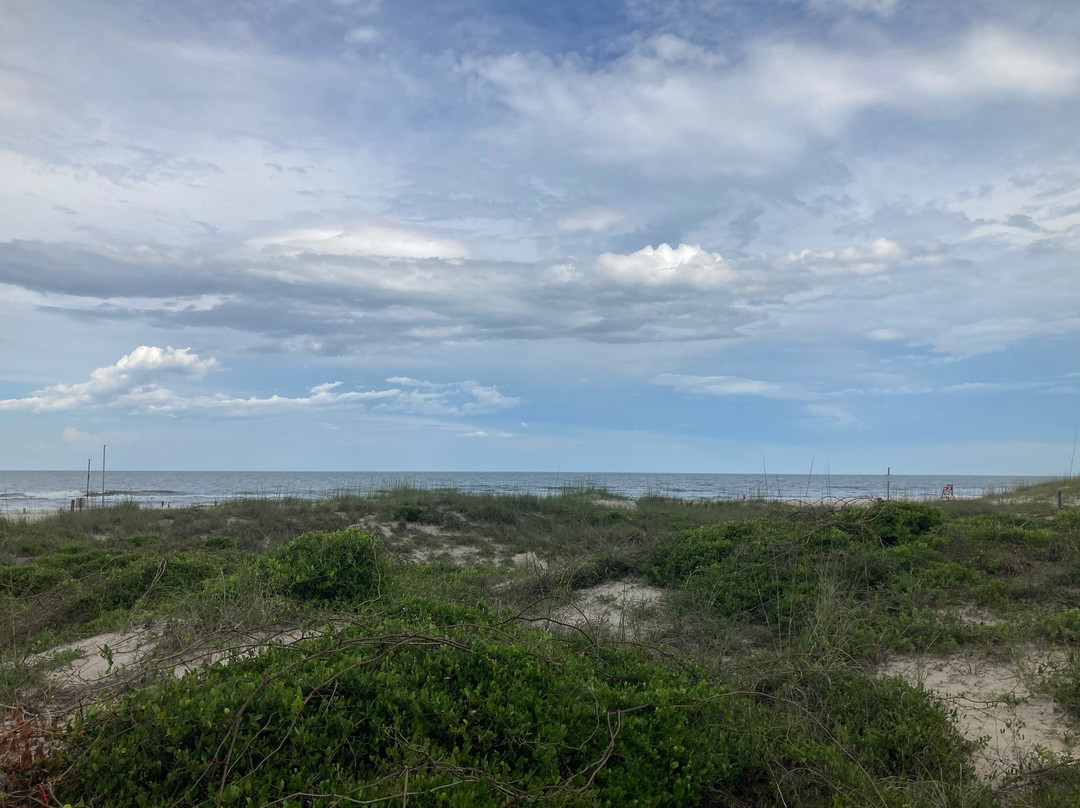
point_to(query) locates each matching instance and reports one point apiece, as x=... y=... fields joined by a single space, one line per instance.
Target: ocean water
x=43 y=490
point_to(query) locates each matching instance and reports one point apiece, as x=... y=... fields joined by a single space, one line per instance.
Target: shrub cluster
x=74 y=585
x=778 y=570
x=326 y=568
x=485 y=712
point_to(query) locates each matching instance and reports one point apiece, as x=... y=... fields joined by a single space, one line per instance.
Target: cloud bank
x=134 y=384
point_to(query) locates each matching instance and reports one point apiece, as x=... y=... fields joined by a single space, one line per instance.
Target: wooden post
x=888 y=482
x=1059 y=499
x=103 y=475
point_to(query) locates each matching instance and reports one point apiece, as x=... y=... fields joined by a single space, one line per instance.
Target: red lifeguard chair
x=947 y=492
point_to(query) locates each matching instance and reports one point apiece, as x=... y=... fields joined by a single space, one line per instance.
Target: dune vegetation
x=432 y=647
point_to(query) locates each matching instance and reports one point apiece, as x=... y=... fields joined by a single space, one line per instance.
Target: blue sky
x=634 y=235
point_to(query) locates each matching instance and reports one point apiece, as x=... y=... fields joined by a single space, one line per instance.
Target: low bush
x=486 y=713
x=890 y=522
x=73 y=587
x=888 y=561
x=343 y=566
x=1065 y=686
x=218 y=543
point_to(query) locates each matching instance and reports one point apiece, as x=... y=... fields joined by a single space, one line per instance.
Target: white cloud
x=873 y=258
x=686 y=266
x=163 y=401
x=134 y=374
x=483 y=433
x=829 y=413
x=961 y=299
x=994 y=61
x=132 y=385
x=730 y=386
x=357 y=240
x=990 y=335
x=993 y=387
x=454 y=398
x=700 y=116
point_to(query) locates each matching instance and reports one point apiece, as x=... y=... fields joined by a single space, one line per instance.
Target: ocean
x=45 y=490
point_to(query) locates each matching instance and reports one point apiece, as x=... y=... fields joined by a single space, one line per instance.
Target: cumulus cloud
x=875 y=257
x=686 y=266
x=133 y=384
x=133 y=375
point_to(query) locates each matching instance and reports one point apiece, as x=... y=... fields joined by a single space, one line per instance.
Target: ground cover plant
x=326 y=666
x=481 y=711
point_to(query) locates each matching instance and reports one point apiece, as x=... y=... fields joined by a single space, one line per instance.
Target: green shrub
x=890 y=522
x=218 y=543
x=142 y=540
x=488 y=713
x=893 y=729
x=407 y=513
x=1067 y=520
x=345 y=565
x=1062 y=627
x=1065 y=686
x=671 y=562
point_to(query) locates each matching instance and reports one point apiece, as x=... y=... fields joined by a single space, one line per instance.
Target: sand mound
x=626 y=504
x=994 y=699
x=616 y=606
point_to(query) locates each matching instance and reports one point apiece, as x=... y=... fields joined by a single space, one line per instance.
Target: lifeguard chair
x=947 y=492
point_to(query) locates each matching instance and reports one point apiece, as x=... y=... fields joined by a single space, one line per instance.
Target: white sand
x=611 y=606
x=994 y=699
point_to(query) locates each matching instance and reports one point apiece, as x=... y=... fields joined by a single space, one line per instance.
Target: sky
x=615 y=235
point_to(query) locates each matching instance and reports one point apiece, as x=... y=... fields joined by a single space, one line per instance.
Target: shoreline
x=35 y=514
x=54 y=490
